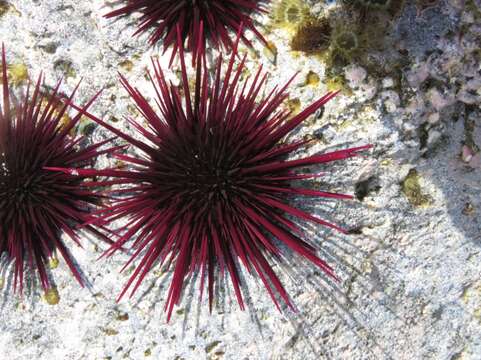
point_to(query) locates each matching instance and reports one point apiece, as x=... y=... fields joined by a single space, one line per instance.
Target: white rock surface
x=410 y=285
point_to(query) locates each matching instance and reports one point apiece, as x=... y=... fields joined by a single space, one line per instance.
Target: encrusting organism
x=312 y=36
x=290 y=13
x=216 y=19
x=38 y=205
x=213 y=187
x=345 y=43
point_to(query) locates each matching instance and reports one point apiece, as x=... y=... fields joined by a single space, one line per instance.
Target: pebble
x=387 y=83
x=417 y=76
x=355 y=75
x=433 y=118
x=476 y=161
x=368 y=90
x=439 y=100
x=466 y=154
x=392 y=101
x=433 y=137
x=470 y=93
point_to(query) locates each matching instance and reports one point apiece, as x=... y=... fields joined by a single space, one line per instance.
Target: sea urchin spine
x=212 y=190
x=216 y=19
x=37 y=205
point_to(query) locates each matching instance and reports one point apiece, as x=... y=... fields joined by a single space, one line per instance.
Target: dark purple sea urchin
x=37 y=205
x=215 y=18
x=212 y=189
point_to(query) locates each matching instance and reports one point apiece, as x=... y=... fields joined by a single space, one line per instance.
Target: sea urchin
x=37 y=204
x=212 y=189
x=215 y=19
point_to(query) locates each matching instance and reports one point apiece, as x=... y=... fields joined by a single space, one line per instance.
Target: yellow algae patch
x=288 y=14
x=126 y=65
x=412 y=189
x=312 y=79
x=17 y=73
x=51 y=296
x=294 y=105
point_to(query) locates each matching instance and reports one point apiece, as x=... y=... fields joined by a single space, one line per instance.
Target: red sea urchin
x=37 y=204
x=212 y=188
x=216 y=18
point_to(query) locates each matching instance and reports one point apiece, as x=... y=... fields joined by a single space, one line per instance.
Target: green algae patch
x=412 y=189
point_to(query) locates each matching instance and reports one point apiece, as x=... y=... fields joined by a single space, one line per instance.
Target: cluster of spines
x=215 y=18
x=37 y=204
x=212 y=189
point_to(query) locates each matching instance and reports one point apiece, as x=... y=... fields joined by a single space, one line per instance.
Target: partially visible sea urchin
x=216 y=19
x=212 y=189
x=37 y=204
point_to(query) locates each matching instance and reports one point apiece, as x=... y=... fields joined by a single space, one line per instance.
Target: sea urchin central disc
x=20 y=188
x=206 y=181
